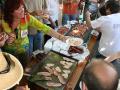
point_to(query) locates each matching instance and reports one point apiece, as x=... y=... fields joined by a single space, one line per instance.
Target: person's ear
x=108 y=11
x=84 y=87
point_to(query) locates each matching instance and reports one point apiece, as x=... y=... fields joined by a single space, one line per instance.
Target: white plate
x=73 y=41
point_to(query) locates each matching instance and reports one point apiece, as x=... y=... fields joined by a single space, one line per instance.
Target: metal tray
x=55 y=58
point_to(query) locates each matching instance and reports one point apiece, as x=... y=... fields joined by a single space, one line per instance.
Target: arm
x=60 y=14
x=36 y=13
x=3 y=38
x=46 y=29
x=55 y=34
x=52 y=22
x=112 y=57
x=95 y=24
x=87 y=18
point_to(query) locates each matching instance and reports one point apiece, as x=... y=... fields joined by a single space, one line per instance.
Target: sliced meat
x=49 y=69
x=58 y=69
x=44 y=73
x=48 y=78
x=61 y=79
x=53 y=84
x=74 y=49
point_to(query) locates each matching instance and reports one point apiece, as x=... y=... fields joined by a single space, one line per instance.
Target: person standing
x=70 y=10
x=53 y=8
x=35 y=8
x=15 y=24
x=109 y=26
x=109 y=42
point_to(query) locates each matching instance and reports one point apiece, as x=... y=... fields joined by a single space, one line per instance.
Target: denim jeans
x=35 y=42
x=67 y=17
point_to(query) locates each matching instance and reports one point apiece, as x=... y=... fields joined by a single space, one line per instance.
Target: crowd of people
x=22 y=22
x=26 y=24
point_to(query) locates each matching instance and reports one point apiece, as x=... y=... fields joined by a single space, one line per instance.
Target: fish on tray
x=61 y=79
x=44 y=73
x=53 y=84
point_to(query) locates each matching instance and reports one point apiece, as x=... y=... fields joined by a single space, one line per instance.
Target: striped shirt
x=22 y=41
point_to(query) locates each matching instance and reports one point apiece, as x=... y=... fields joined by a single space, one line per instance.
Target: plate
x=73 y=41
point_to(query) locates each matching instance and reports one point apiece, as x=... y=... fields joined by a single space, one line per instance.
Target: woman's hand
x=64 y=38
x=3 y=38
x=11 y=38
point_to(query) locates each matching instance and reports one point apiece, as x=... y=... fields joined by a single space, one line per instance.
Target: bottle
x=81 y=18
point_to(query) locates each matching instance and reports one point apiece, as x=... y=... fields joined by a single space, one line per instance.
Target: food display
x=73 y=49
x=53 y=72
x=78 y=30
x=63 y=30
x=72 y=41
x=68 y=49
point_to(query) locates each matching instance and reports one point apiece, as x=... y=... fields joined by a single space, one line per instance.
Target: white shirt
x=33 y=5
x=53 y=8
x=110 y=29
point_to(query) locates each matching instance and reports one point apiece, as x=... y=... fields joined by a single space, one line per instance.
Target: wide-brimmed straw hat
x=10 y=74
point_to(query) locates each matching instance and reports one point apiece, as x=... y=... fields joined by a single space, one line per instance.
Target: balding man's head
x=100 y=75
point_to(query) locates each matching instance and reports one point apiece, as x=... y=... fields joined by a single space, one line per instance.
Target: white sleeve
x=98 y=22
x=29 y=6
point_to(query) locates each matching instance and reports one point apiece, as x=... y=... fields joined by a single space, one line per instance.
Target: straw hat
x=11 y=78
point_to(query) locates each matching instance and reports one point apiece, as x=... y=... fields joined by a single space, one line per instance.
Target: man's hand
x=39 y=12
x=112 y=57
x=45 y=16
x=87 y=14
x=109 y=59
x=88 y=19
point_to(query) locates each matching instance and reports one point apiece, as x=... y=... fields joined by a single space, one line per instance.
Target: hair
x=94 y=83
x=9 y=7
x=113 y=6
x=100 y=1
x=102 y=10
x=1 y=4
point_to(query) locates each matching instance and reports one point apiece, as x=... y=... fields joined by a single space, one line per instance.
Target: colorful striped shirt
x=22 y=42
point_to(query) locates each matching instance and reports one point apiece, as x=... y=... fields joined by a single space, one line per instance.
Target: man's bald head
x=100 y=75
